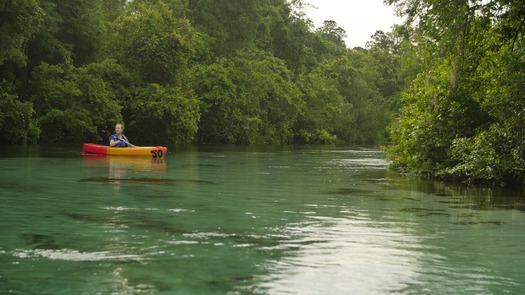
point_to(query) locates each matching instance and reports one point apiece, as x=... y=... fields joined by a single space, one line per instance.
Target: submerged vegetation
x=443 y=91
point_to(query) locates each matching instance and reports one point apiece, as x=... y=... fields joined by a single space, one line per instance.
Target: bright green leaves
x=463 y=115
x=325 y=108
x=343 y=100
x=177 y=71
x=246 y=99
x=152 y=43
x=332 y=33
x=73 y=102
x=161 y=114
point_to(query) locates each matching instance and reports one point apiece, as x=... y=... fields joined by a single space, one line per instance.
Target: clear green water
x=234 y=221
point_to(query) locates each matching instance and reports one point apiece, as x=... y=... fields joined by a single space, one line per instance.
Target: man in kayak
x=118 y=139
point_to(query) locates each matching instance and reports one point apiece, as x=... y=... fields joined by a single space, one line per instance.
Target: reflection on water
x=127 y=169
x=230 y=221
x=329 y=255
x=119 y=167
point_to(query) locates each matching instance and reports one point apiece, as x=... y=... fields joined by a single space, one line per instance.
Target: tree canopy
x=462 y=115
x=442 y=91
x=192 y=71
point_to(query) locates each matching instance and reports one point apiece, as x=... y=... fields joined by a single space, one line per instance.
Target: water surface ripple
x=250 y=221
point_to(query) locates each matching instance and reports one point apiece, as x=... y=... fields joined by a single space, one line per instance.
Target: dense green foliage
x=445 y=89
x=197 y=71
x=463 y=115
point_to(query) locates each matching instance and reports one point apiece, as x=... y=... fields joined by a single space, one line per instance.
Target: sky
x=359 y=18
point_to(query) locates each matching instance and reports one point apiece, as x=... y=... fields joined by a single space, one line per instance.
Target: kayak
x=144 y=151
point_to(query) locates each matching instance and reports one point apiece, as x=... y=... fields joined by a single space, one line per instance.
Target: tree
x=18 y=21
x=70 y=30
x=332 y=33
x=230 y=25
x=152 y=43
x=158 y=114
x=73 y=104
x=325 y=107
x=462 y=114
x=183 y=70
x=247 y=99
x=17 y=123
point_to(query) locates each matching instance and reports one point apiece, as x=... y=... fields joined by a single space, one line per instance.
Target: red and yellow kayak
x=143 y=151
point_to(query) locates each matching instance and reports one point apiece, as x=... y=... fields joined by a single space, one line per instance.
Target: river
x=232 y=220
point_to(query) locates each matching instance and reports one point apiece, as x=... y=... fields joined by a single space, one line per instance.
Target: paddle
x=129 y=144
